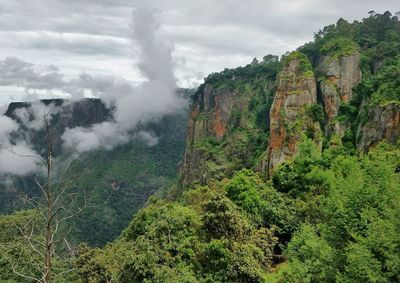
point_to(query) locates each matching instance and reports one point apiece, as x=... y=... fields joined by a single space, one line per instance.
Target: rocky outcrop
x=212 y=114
x=224 y=129
x=209 y=119
x=340 y=75
x=296 y=90
x=382 y=123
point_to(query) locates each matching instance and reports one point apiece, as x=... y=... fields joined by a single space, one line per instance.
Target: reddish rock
x=296 y=90
x=209 y=119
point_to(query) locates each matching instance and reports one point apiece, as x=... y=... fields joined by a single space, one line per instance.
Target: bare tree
x=55 y=206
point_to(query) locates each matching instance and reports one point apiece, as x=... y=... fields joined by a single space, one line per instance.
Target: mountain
x=117 y=182
x=291 y=173
x=228 y=123
x=254 y=117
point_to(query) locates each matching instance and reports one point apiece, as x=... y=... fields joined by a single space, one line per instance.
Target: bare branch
x=41 y=187
x=67 y=243
x=29 y=238
x=14 y=269
x=25 y=276
x=64 y=272
x=56 y=200
x=29 y=156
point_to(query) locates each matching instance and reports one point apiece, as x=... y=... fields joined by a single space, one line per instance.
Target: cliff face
x=340 y=75
x=208 y=124
x=223 y=131
x=349 y=94
x=212 y=113
x=209 y=119
x=296 y=91
x=382 y=123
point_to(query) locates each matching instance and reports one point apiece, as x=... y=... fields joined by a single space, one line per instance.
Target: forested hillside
x=291 y=173
x=116 y=182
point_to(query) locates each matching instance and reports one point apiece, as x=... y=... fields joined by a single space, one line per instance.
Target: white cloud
x=18 y=159
x=7 y=126
x=102 y=135
x=14 y=158
x=32 y=116
x=149 y=138
x=132 y=104
x=3 y=108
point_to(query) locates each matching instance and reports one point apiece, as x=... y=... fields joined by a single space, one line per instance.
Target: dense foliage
x=356 y=236
x=333 y=216
x=205 y=237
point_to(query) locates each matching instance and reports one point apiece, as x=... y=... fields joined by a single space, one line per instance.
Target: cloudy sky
x=47 y=46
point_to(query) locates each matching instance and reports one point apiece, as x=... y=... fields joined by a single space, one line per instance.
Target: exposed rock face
x=383 y=123
x=223 y=132
x=341 y=75
x=296 y=90
x=216 y=108
x=209 y=118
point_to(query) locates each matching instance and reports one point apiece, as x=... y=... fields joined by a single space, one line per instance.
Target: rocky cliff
x=341 y=87
x=71 y=114
x=382 y=123
x=289 y=122
x=340 y=75
x=302 y=101
x=208 y=119
x=227 y=125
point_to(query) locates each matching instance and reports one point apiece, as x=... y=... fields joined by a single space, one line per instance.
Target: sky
x=53 y=48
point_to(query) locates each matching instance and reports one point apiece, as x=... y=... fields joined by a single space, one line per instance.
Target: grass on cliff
x=305 y=67
x=339 y=46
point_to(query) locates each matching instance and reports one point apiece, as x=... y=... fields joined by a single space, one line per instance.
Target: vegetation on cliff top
x=339 y=46
x=305 y=67
x=377 y=40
